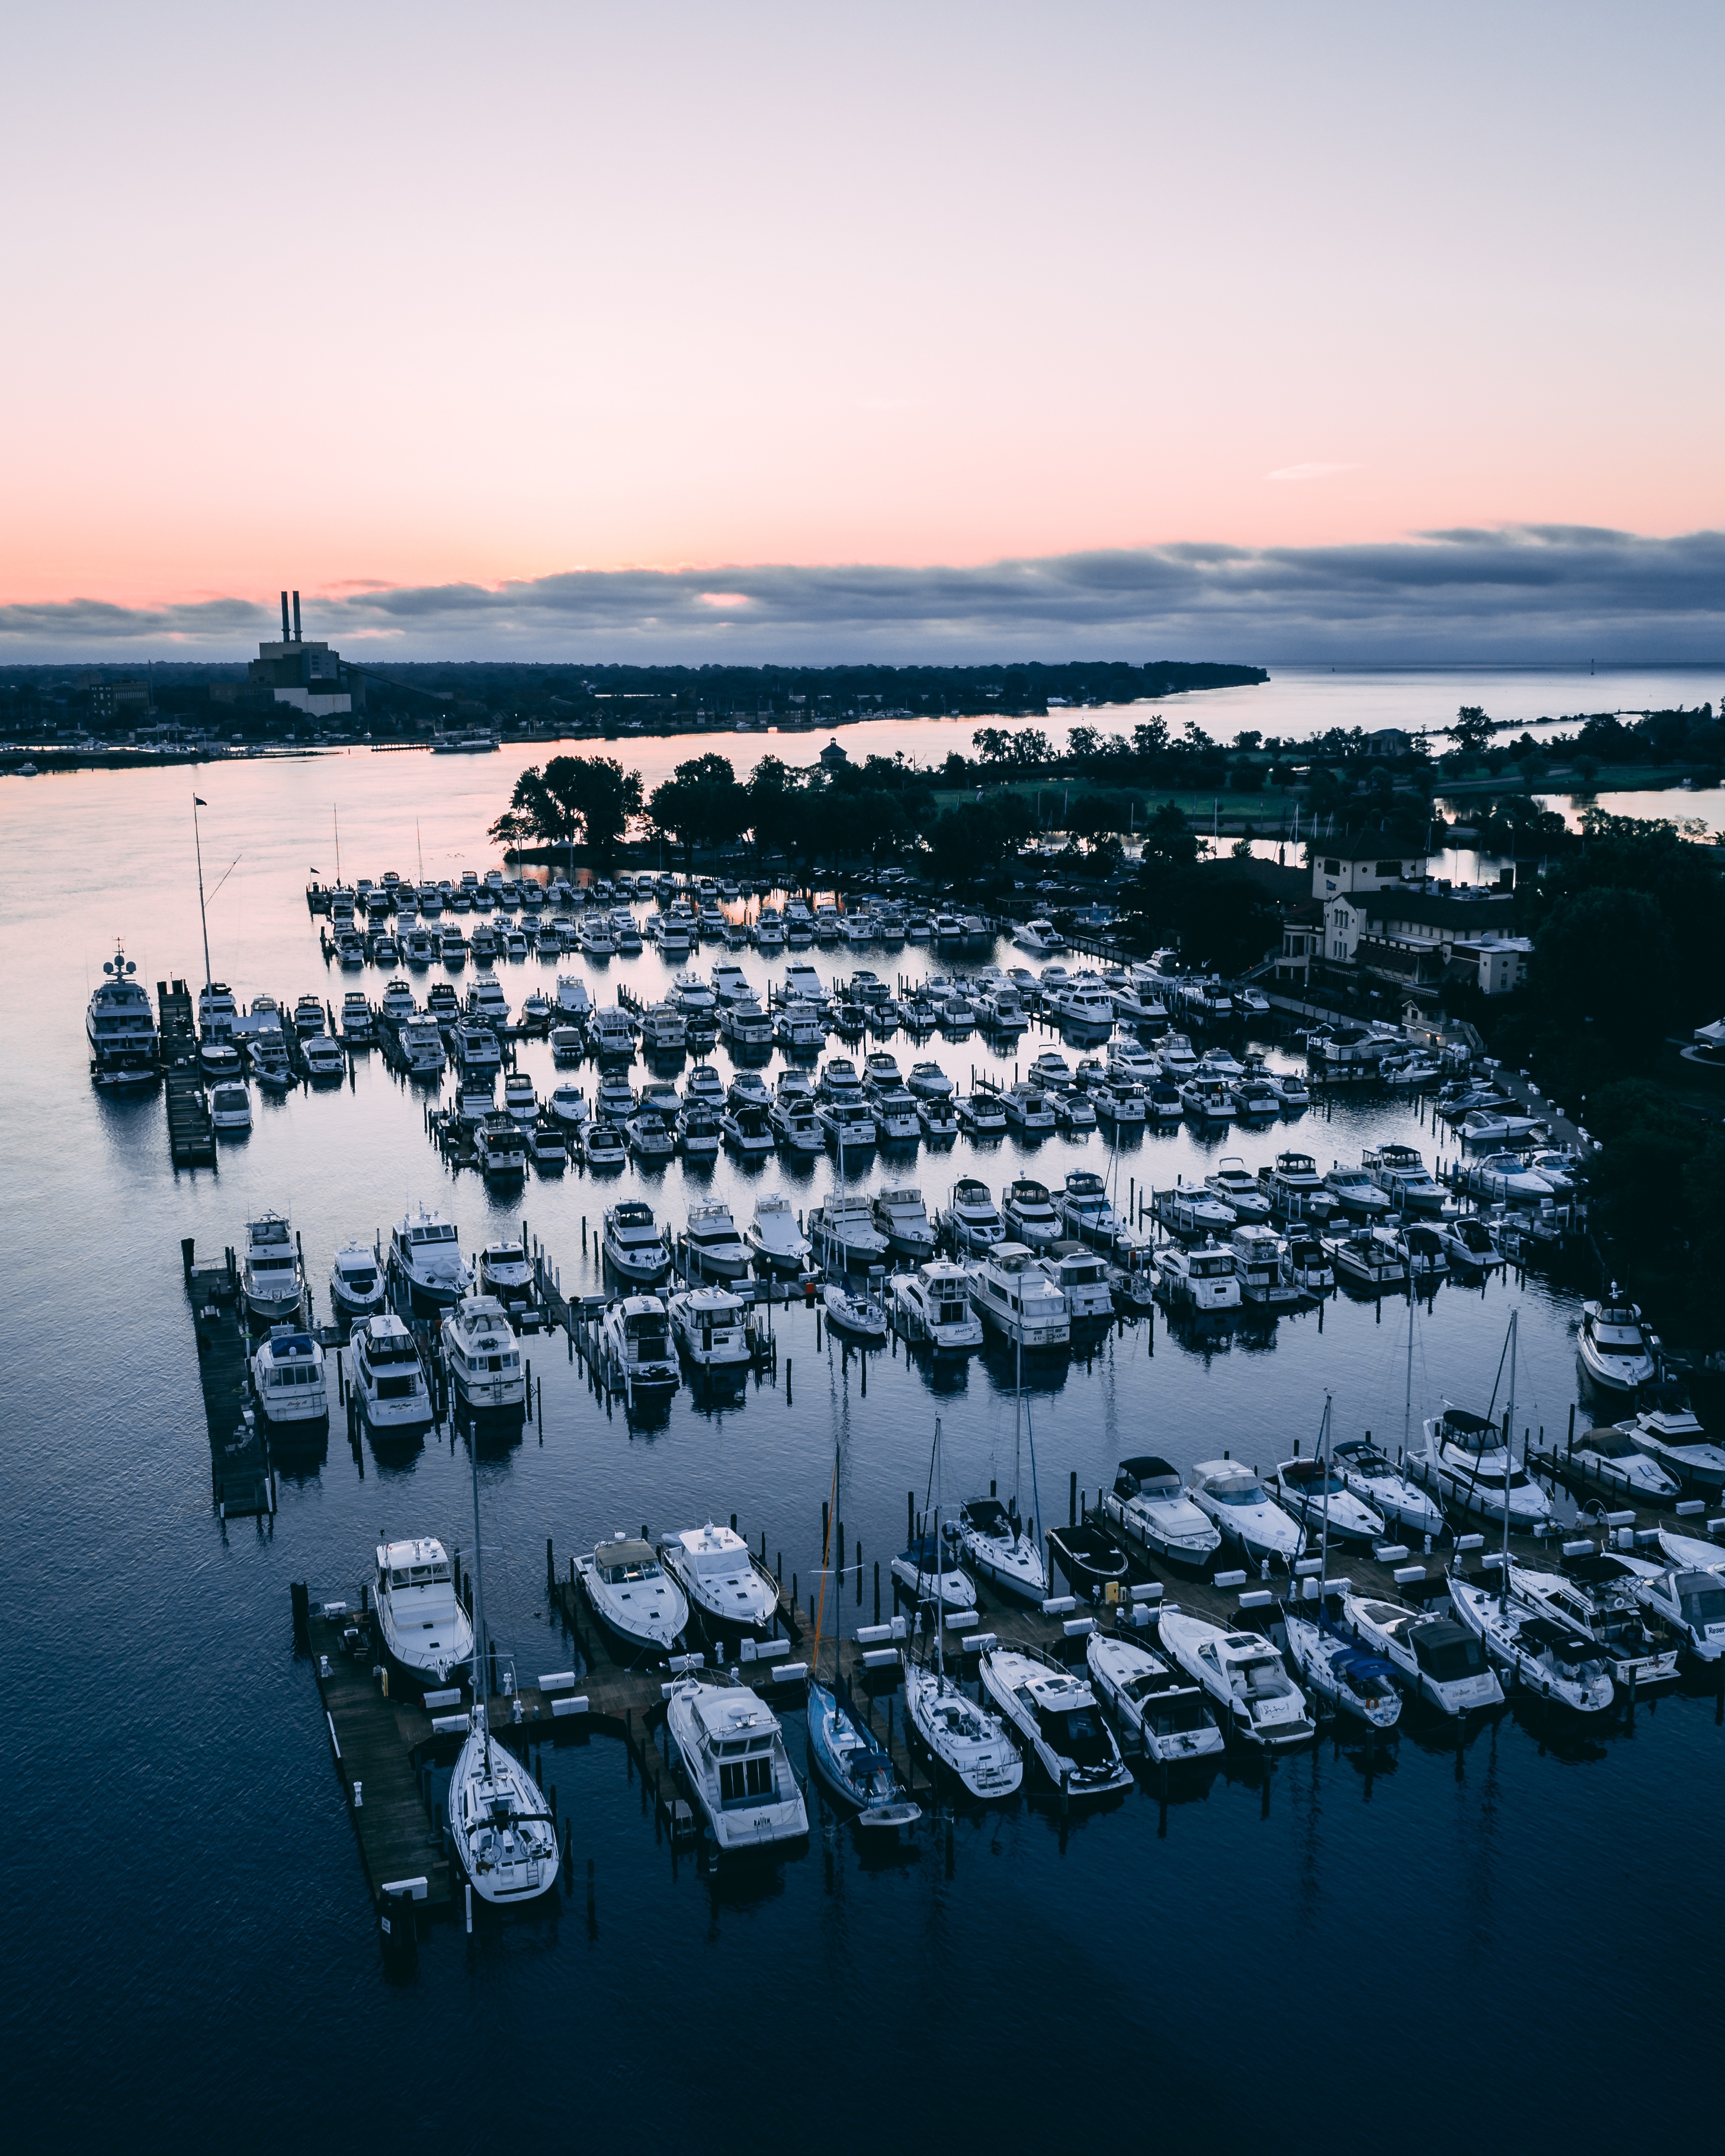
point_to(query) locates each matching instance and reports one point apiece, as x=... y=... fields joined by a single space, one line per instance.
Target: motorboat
x=324 y=1059
x=929 y=1570
x=1594 y=1597
x=1674 y=1438
x=500 y=1145
x=995 y=1541
x=1258 y=1267
x=220 y=1061
x=1027 y=1108
x=1431 y=1655
x=1040 y=938
x=356 y=1281
x=1243 y=1674
x=1312 y=1490
x=1483 y=1127
x=1350 y=1678
x=902 y=1218
x=1160 y=1711
x=125 y=1048
x=1469 y=1244
x=611 y=1034
x=1235 y=1186
x=981 y=1115
x=970 y=1217
x=573 y=1002
x=1378 y=1483
x=426 y=1633
x=1082 y=1006
x=850 y=1124
x=1503 y=1178
x=549 y=1150
x=483 y=1356
x=627 y=1591
x=1028 y=1214
x=710 y=1326
x=635 y=1354
x=1356 y=1196
x=776 y=1239
x=1371 y=1258
x=1613 y=1345
x=1549 y=1658
x=272 y=1277
x=1011 y=1292
x=568 y=1104
x=938 y=1120
x=388 y=1377
x=290 y=1381
x=1056 y=1713
x=931 y=1304
x=219 y=1012
x=731 y=1748
x=710 y=1249
x=727 y=1586
x=1255 y=1098
x=1466 y=1460
x=650 y=1136
x=1690 y=1599
x=844 y=1233
x=1191 y=1208
x=1085 y=1212
x=634 y=1244
x=507 y=1271
x=230 y=1109
x=1149 y=1506
x=1203 y=1278
x=861 y=1313
x=1295 y=1190
x=519 y=1101
x=1236 y=1503
x=1131 y=1059
x=603 y=1146
x=854 y=1765
x=1616 y=1457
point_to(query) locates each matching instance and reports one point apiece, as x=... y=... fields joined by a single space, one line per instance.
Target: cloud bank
x=1527 y=593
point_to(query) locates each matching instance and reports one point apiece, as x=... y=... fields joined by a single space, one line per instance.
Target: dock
x=242 y=1479
x=191 y=1134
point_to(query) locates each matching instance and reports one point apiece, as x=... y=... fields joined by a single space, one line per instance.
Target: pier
x=241 y=1476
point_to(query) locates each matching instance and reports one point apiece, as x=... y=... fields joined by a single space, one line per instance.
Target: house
x=833 y=758
x=1412 y=935
x=1499 y=962
x=1302 y=942
x=1341 y=870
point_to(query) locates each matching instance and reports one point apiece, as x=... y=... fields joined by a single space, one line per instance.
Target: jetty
x=241 y=1477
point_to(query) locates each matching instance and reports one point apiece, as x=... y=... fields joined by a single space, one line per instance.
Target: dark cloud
x=1536 y=592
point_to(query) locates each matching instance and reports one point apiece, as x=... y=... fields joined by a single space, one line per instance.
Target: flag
x=198 y=801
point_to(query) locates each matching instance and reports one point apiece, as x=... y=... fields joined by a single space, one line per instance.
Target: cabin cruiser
x=568 y=1105
x=726 y=1585
x=326 y=1064
x=484 y=1356
x=1612 y=1345
x=1491 y=1126
x=1131 y=1059
x=634 y=1245
x=1027 y=1108
x=1203 y=1279
x=897 y=1121
x=1039 y=937
x=1370 y=1257
x=635 y=1352
x=1401 y=1175
x=1085 y=1212
x=1674 y=1436
x=230 y=1108
x=710 y=1326
x=797 y=1029
x=650 y=1136
x=1055 y=1713
x=1370 y=1477
x=843 y=1232
x=1616 y=1457
x=1160 y=1711
x=389 y=1379
x=1435 y=1657
x=981 y=1114
x=1468 y=1245
x=731 y=1748
x=1233 y=1184
x=355 y=1282
x=711 y=1247
x=930 y=1571
x=998 y=1548
x=775 y=1238
x=602 y=1145
x=1308 y=1489
x=1081 y=1005
x=1549 y=1658
x=664 y=1031
x=272 y=1277
x=848 y=1123
x=970 y=1217
x=218 y=1013
x=1243 y=1674
x=1504 y=1178
x=266 y=1052
x=939 y=1121
x=1690 y=1599
x=611 y=1034
x=518 y=1099
x=1295 y=1188
x=1029 y=1215
x=901 y=1216
x=505 y=1271
x=1191 y=1208
x=499 y=1143
x=422 y=1043
x=1594 y=1597
x=849 y=1760
x=426 y=1633
x=1356 y=1194
x=289 y=1378
x=1081 y=1276
x=425 y=1255
x=1148 y=1504
x=1466 y=1460
x=1241 y=1510
x=486 y=1003
x=1258 y=1256
x=931 y=1304
x=124 y=1045
x=1010 y=1291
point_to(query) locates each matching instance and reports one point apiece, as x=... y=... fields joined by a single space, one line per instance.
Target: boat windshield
x=1450 y=1658
x=1238 y=1493
x=1078 y=1733
x=1701 y=1606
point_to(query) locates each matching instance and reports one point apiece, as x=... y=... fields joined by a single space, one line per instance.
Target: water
x=1316 y=1953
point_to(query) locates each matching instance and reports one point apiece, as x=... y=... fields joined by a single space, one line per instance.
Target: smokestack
x=297 y=639
x=285 y=638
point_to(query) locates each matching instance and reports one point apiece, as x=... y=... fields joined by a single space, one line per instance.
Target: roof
x=426 y=1550
x=1432 y=908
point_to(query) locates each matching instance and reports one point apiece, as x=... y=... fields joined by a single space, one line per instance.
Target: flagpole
x=198 y=843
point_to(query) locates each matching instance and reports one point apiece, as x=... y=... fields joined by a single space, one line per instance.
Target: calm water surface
x=1490 y=1939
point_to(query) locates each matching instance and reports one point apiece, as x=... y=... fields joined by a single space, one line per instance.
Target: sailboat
x=994 y=1540
x=857 y=1768
x=969 y=1742
x=1338 y=1670
x=863 y=1316
x=500 y=1822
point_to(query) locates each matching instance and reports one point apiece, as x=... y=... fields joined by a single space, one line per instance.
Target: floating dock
x=241 y=1477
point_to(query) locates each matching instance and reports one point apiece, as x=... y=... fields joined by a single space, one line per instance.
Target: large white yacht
x=1009 y=1291
x=627 y=1591
x=1242 y=1672
x=426 y=1632
x=714 y=1569
x=1468 y=1461
x=634 y=1246
x=1054 y=1711
x=731 y=1748
x=971 y=1217
x=901 y=1217
x=272 y=1278
x=711 y=1248
x=289 y=1378
x=1241 y=1509
x=932 y=1304
x=844 y=1234
x=774 y=1237
x=1028 y=1214
x=635 y=1349
x=1084 y=1211
x=388 y=1377
x=1148 y=1504
x=484 y=1356
x=1160 y=1709
x=356 y=1281
x=1613 y=1345
x=1436 y=1658
x=710 y=1326
x=1674 y=1435
x=124 y=1047
x=425 y=1257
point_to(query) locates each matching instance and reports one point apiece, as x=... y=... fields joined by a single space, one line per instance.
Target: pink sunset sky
x=365 y=297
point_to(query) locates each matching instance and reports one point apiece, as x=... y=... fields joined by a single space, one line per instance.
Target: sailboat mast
x=1323 y=1455
x=198 y=842
x=480 y=1699
x=1509 y=1455
x=940 y=1628
x=1407 y=1398
x=335 y=818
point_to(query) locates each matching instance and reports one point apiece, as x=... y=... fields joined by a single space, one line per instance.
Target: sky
x=943 y=331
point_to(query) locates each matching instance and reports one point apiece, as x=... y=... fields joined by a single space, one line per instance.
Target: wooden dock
x=191 y=1134
x=242 y=1481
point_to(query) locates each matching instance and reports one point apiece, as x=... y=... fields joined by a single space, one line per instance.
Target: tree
x=1225 y=921
x=701 y=804
x=1150 y=738
x=1472 y=729
x=973 y=841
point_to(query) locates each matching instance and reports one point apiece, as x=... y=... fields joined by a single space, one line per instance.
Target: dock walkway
x=241 y=1477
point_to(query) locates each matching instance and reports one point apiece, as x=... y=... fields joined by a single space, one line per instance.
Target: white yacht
x=507 y=1271
x=484 y=1356
x=902 y=1218
x=843 y=1232
x=1435 y=1657
x=356 y=1281
x=426 y=1633
x=1690 y=1599
x=421 y=1043
x=1161 y=1712
x=981 y=1114
x=627 y=1591
x=932 y=1304
x=1081 y=1006
x=1054 y=1711
x=998 y=1548
x=1674 y=1436
x=230 y=1108
x=729 y=1587
x=1377 y=1482
x=635 y=1352
x=1085 y=1212
x=1029 y=1215
x=776 y=1239
x=1233 y=1184
x=611 y=1034
x=1203 y=1281
x=388 y=1377
x=1310 y=1492
x=634 y=1246
x=927 y=1081
x=1242 y=1672
x=289 y=1378
x=124 y=1045
x=1466 y=1461
x=573 y=1002
x=1148 y=1504
x=1039 y=937
x=732 y=1751
x=1596 y=1597
x=1617 y=1458
x=970 y=1742
x=1613 y=1345
x=1082 y=1278
x=1551 y=1659
x=711 y=1326
x=1190 y=1208
x=710 y=1248
x=1352 y=1680
x=1240 y=1508
x=1009 y=1291
x=272 y=1277
x=1026 y=1108
x=970 y=1217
